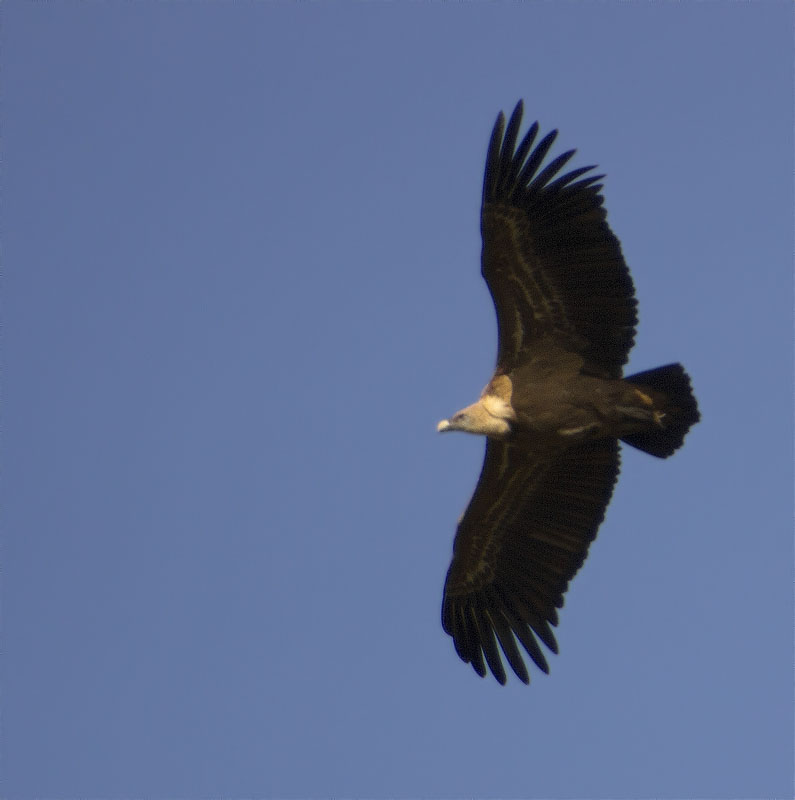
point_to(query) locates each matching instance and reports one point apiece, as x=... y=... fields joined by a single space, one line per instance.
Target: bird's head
x=458 y=422
x=476 y=418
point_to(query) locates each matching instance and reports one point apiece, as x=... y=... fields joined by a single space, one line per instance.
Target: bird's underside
x=556 y=407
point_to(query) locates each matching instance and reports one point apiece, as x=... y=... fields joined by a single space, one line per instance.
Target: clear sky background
x=241 y=285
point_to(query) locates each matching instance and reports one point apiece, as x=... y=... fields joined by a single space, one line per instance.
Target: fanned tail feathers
x=679 y=407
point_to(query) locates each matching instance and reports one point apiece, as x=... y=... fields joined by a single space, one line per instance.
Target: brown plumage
x=556 y=407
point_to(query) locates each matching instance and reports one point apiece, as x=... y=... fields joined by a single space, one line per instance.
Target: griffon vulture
x=556 y=407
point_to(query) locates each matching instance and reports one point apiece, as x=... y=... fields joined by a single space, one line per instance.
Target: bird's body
x=556 y=406
x=549 y=402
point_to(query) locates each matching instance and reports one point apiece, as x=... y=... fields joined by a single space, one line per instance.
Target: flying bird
x=557 y=406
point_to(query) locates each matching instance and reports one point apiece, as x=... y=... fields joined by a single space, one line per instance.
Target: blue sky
x=240 y=287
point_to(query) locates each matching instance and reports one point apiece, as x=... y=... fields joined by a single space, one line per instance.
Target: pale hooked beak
x=443 y=426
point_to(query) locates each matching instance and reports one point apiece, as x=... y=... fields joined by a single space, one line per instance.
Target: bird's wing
x=524 y=535
x=552 y=264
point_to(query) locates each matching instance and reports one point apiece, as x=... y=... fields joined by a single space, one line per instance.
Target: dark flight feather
x=537 y=232
x=520 y=567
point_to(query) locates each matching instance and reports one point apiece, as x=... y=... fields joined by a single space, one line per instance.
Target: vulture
x=557 y=406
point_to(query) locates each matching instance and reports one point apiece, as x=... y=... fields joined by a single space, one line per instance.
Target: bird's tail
x=673 y=396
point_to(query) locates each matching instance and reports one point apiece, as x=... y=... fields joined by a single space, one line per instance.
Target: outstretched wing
x=552 y=264
x=523 y=537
